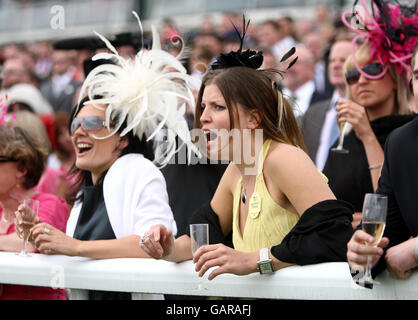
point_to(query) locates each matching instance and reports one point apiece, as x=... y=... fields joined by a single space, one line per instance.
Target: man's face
x=13 y=73
x=339 y=53
x=61 y=62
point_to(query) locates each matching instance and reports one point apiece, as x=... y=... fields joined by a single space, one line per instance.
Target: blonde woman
x=374 y=108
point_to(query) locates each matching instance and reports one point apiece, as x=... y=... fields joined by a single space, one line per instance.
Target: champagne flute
x=29 y=214
x=373 y=223
x=199 y=236
x=345 y=128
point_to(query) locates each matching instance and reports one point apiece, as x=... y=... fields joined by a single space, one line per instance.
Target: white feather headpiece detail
x=150 y=92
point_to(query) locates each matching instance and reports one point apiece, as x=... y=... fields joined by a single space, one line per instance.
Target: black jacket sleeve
x=320 y=235
x=205 y=214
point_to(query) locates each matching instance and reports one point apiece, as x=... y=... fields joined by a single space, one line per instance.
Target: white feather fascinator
x=149 y=92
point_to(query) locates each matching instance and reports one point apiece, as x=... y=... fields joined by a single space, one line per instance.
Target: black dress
x=93 y=224
x=349 y=174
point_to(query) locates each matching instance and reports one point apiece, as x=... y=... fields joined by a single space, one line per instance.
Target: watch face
x=265 y=267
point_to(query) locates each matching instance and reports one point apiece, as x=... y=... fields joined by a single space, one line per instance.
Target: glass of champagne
x=29 y=214
x=373 y=223
x=345 y=128
x=199 y=236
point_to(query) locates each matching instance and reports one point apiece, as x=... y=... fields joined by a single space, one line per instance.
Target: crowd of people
x=99 y=142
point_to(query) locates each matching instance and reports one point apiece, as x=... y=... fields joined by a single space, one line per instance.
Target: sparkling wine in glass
x=373 y=223
x=29 y=214
x=199 y=236
x=345 y=127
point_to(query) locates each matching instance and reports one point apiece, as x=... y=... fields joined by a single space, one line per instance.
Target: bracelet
x=416 y=250
x=375 y=166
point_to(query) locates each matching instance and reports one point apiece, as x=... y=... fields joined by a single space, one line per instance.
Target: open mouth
x=210 y=135
x=83 y=148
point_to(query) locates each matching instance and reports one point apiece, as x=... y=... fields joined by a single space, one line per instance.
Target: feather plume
x=390 y=27
x=150 y=92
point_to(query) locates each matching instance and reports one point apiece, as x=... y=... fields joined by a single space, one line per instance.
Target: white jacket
x=135 y=196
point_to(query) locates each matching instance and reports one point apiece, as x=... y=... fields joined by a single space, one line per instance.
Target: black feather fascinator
x=248 y=58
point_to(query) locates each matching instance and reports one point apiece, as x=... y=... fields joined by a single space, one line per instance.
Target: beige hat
x=29 y=95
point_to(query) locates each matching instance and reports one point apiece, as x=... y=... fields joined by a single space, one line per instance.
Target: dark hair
x=83 y=177
x=254 y=90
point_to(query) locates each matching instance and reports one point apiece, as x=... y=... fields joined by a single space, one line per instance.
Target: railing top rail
x=327 y=281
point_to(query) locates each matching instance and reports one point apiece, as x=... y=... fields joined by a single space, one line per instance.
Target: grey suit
x=63 y=102
x=312 y=123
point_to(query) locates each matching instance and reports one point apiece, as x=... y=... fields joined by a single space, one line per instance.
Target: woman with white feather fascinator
x=121 y=193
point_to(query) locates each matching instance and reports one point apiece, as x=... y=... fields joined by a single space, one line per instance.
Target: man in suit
x=399 y=181
x=319 y=126
x=298 y=84
x=60 y=89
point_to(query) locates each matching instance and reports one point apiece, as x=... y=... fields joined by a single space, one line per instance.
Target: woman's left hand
x=49 y=240
x=227 y=259
x=355 y=114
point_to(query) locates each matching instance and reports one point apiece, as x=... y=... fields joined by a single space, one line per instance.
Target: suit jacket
x=315 y=98
x=65 y=100
x=312 y=123
x=399 y=181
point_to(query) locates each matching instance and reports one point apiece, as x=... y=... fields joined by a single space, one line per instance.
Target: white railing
x=327 y=281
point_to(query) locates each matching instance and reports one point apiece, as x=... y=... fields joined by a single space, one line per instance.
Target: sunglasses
x=87 y=123
x=372 y=69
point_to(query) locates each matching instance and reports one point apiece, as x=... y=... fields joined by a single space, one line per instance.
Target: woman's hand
x=49 y=240
x=19 y=220
x=355 y=114
x=358 y=250
x=158 y=242
x=227 y=259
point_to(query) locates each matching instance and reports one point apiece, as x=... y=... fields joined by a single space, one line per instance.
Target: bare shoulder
x=290 y=170
x=283 y=157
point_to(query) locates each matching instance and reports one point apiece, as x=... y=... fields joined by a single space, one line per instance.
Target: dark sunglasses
x=6 y=159
x=372 y=69
x=87 y=123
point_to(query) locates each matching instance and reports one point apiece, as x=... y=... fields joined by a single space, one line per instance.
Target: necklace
x=243 y=196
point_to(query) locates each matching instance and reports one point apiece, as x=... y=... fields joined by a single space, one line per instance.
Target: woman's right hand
x=158 y=242
x=358 y=250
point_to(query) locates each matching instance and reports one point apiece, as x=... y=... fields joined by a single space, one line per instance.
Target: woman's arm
x=50 y=240
x=12 y=243
x=222 y=201
x=160 y=243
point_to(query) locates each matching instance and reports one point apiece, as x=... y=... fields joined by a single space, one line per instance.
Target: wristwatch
x=265 y=265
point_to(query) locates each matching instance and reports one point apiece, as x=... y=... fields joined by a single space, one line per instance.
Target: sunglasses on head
x=87 y=123
x=372 y=69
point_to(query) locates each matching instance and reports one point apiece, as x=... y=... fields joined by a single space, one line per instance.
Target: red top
x=53 y=211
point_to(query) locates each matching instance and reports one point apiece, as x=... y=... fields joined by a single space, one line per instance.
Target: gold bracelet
x=376 y=166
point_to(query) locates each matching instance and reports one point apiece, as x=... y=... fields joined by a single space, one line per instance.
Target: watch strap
x=264 y=254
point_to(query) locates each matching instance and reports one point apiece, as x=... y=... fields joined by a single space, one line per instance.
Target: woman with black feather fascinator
x=273 y=199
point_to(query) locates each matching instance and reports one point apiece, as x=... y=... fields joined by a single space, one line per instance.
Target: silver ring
x=47 y=231
x=143 y=238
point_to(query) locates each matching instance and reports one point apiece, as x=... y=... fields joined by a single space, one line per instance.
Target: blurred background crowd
x=44 y=46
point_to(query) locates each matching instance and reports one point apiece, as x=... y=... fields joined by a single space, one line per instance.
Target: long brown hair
x=254 y=90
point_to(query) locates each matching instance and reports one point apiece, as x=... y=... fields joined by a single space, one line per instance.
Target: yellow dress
x=267 y=223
